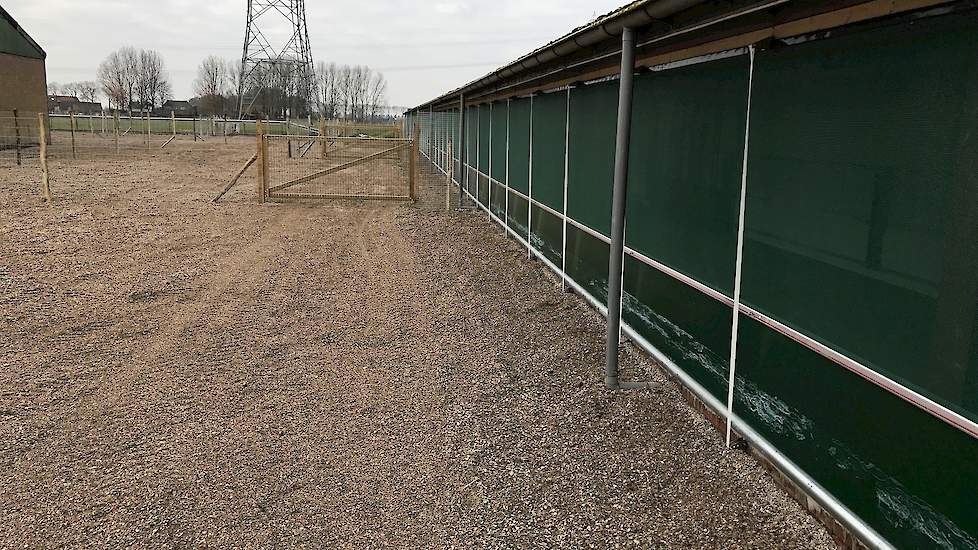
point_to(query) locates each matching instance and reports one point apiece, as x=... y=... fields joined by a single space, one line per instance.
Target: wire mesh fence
x=313 y=167
x=19 y=138
x=299 y=162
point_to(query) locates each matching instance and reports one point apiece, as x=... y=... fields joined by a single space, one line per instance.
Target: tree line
x=134 y=79
x=345 y=92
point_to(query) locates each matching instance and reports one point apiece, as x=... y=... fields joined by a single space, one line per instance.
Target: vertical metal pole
x=489 y=168
x=462 y=172
x=563 y=247
x=115 y=121
x=225 y=129
x=448 y=181
x=413 y=164
x=147 y=130
x=195 y=125
x=617 y=251
x=478 y=160
x=740 y=254
x=529 y=205
x=506 y=212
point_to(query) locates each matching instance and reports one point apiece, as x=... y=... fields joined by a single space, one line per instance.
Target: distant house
x=88 y=108
x=179 y=108
x=23 y=80
x=137 y=108
x=62 y=104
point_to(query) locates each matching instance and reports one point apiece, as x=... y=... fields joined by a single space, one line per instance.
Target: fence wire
x=304 y=167
x=436 y=130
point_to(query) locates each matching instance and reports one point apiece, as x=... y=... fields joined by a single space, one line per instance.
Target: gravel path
x=175 y=373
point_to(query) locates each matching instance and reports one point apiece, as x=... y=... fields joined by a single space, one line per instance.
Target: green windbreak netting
x=591 y=158
x=685 y=169
x=546 y=234
x=497 y=201
x=587 y=262
x=549 y=131
x=471 y=133
x=690 y=327
x=484 y=138
x=850 y=236
x=519 y=144
x=861 y=232
x=500 y=112
x=517 y=214
x=453 y=132
x=471 y=145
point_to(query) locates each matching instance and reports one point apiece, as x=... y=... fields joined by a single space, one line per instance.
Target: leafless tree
x=128 y=74
x=354 y=93
x=231 y=97
x=87 y=91
x=115 y=79
x=327 y=79
x=152 y=80
x=54 y=88
x=211 y=84
x=376 y=96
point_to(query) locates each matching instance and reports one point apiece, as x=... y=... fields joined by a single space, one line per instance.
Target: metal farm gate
x=324 y=167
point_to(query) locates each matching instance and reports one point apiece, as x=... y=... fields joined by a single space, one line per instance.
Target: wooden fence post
x=173 y=122
x=195 y=125
x=413 y=167
x=146 y=139
x=71 y=120
x=17 y=137
x=91 y=126
x=262 y=162
x=115 y=121
x=43 y=135
x=288 y=134
x=322 y=137
x=225 y=129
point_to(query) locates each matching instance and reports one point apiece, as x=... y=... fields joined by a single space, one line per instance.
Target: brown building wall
x=22 y=87
x=24 y=84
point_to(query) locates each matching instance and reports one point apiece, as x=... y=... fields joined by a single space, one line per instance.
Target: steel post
x=616 y=253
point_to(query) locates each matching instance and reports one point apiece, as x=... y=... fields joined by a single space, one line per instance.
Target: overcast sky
x=423 y=48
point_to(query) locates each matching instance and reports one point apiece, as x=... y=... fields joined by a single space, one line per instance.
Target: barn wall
x=24 y=84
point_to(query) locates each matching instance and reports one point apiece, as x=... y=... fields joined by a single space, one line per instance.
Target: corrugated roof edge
x=637 y=13
x=13 y=22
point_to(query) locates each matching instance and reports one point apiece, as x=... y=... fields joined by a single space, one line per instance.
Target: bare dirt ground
x=175 y=373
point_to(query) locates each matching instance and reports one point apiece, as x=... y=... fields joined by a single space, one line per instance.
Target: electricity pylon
x=281 y=74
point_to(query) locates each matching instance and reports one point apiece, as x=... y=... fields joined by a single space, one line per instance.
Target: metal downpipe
x=462 y=160
x=617 y=251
